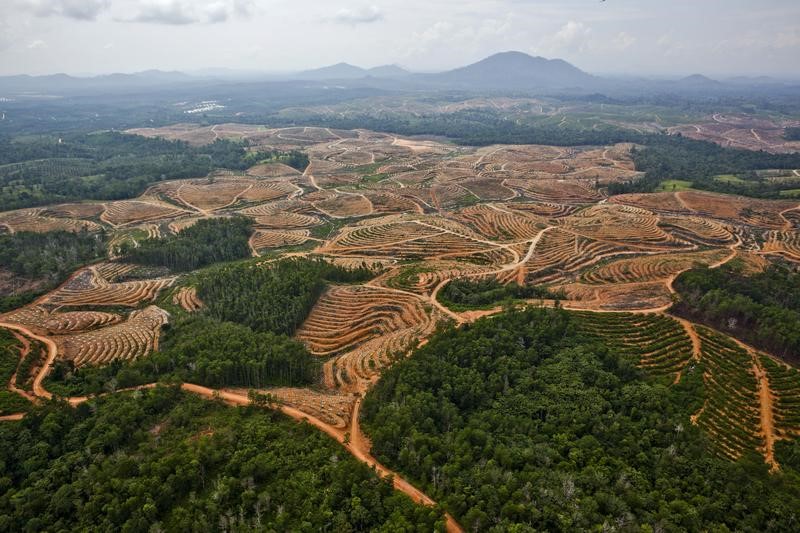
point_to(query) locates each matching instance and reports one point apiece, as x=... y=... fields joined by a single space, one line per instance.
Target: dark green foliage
x=162 y=460
x=791 y=134
x=8 y=303
x=275 y=298
x=517 y=423
x=762 y=309
x=238 y=339
x=203 y=350
x=208 y=241
x=49 y=256
x=46 y=259
x=674 y=157
x=26 y=365
x=222 y=353
x=472 y=294
x=10 y=402
x=294 y=158
x=107 y=166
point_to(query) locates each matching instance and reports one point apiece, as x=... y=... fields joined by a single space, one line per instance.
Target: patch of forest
x=791 y=134
x=10 y=402
x=277 y=298
x=39 y=170
x=464 y=294
x=164 y=460
x=760 y=309
x=518 y=422
x=46 y=259
x=208 y=241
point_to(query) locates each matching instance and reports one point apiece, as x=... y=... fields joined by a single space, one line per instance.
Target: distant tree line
x=110 y=165
x=666 y=157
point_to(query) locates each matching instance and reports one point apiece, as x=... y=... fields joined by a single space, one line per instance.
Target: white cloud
x=37 y=44
x=360 y=15
x=182 y=12
x=572 y=36
x=74 y=9
x=624 y=40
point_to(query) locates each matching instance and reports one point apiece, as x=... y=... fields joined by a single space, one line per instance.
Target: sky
x=632 y=37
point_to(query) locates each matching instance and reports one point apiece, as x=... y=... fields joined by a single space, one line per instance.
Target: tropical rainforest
x=163 y=460
x=517 y=423
x=761 y=309
x=207 y=242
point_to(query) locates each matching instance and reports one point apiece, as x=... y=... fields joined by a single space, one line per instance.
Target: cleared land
x=424 y=213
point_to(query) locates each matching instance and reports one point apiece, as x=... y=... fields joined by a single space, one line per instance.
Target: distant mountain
x=55 y=83
x=515 y=70
x=698 y=80
x=339 y=71
x=388 y=71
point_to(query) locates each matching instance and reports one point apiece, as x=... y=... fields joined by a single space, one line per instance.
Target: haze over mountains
x=505 y=71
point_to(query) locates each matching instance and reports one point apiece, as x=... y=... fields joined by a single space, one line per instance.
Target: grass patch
x=674 y=185
x=790 y=193
x=729 y=178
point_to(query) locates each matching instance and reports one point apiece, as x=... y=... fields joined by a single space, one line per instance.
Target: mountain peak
x=339 y=71
x=517 y=70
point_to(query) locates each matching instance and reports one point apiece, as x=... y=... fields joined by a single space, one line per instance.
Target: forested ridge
x=518 y=423
x=163 y=460
x=761 y=309
x=206 y=242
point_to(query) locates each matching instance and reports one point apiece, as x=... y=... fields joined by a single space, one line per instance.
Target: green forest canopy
x=761 y=309
x=45 y=258
x=206 y=242
x=162 y=460
x=517 y=423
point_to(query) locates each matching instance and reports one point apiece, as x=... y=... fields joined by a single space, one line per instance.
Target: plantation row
x=785 y=243
x=501 y=225
x=698 y=230
x=731 y=415
x=784 y=383
x=129 y=340
x=346 y=316
x=650 y=268
x=560 y=253
x=657 y=343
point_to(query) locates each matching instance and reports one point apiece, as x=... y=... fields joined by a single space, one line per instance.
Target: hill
x=515 y=70
x=339 y=71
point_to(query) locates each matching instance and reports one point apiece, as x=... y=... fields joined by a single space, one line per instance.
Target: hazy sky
x=715 y=37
